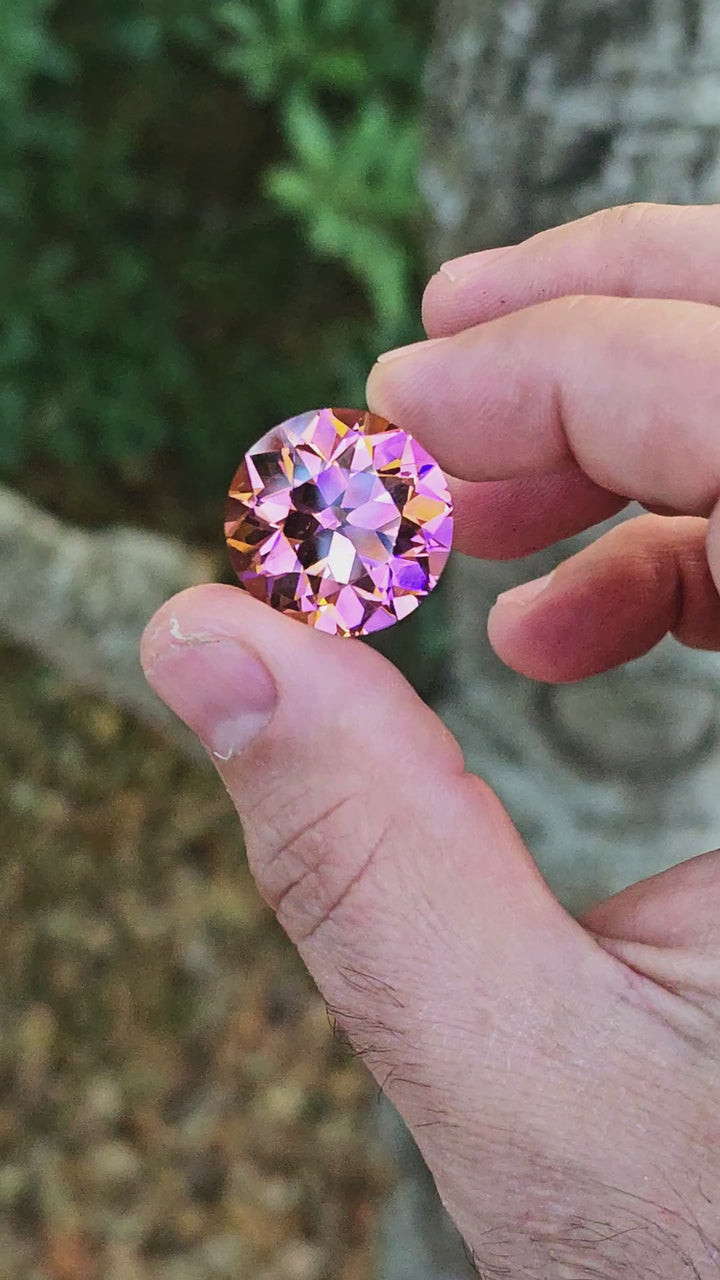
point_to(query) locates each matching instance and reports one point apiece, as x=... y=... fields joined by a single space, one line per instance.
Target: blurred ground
x=173 y=1105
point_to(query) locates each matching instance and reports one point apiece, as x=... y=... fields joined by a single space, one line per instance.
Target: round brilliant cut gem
x=339 y=519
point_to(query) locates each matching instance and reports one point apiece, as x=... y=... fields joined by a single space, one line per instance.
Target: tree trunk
x=540 y=111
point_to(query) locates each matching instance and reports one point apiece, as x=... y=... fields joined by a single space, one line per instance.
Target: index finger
x=628 y=390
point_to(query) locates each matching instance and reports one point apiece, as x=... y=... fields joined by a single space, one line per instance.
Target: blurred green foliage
x=209 y=221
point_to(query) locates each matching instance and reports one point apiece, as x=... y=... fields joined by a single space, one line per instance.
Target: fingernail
x=458 y=268
x=387 y=356
x=221 y=690
x=526 y=593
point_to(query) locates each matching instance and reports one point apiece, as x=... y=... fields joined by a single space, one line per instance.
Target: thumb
x=400 y=878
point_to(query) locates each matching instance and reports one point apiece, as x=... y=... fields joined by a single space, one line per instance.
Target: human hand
x=561 y=1077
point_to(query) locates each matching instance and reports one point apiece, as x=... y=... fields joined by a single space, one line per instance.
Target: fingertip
x=410 y=387
x=437 y=306
x=712 y=543
x=384 y=392
x=513 y=637
x=612 y=602
x=199 y=613
x=463 y=292
x=506 y=631
x=215 y=612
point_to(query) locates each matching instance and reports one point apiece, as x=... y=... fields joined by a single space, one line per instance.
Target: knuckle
x=627 y=219
x=306 y=865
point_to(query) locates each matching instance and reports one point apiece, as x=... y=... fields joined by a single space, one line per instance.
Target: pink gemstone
x=340 y=520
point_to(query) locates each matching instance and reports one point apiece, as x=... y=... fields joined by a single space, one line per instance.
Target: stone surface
x=340 y=520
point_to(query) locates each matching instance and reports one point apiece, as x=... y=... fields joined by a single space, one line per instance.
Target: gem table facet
x=339 y=519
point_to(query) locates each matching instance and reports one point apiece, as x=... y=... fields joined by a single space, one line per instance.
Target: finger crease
x=305 y=831
x=351 y=884
x=679 y=600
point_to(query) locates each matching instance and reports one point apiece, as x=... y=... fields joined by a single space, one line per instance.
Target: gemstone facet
x=339 y=519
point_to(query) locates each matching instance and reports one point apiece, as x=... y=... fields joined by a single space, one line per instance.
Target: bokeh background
x=209 y=220
x=214 y=214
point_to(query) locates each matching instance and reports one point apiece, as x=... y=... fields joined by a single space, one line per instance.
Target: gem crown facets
x=339 y=519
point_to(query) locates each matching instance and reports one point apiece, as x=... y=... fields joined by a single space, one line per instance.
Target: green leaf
x=349 y=186
x=338 y=15
x=379 y=262
x=142 y=37
x=309 y=133
x=290 y=188
x=291 y=16
x=27 y=48
x=242 y=20
x=345 y=71
x=159 y=228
